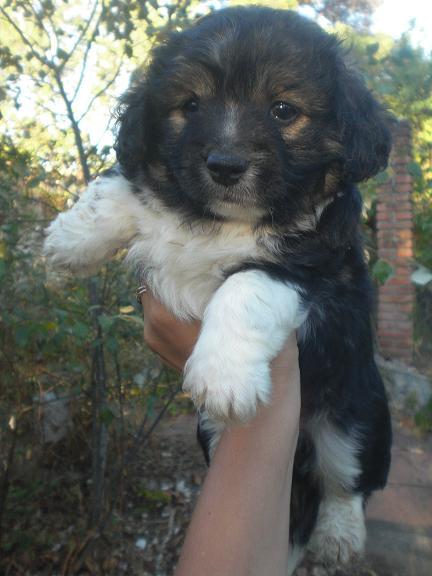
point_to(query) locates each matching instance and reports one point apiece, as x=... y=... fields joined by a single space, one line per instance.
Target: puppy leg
x=245 y=325
x=102 y=221
x=340 y=534
x=295 y=556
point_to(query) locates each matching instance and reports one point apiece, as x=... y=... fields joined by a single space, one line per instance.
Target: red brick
x=405 y=234
x=398 y=351
x=384 y=207
x=388 y=318
x=387 y=244
x=393 y=311
x=393 y=288
x=383 y=216
x=405 y=355
x=403 y=179
x=386 y=195
x=395 y=244
x=406 y=244
x=401 y=328
x=399 y=280
x=397 y=225
x=402 y=160
x=402 y=192
x=405 y=252
x=385 y=233
x=405 y=215
x=392 y=344
x=388 y=339
x=396 y=298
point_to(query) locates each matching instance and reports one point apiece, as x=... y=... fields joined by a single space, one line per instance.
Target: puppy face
x=251 y=114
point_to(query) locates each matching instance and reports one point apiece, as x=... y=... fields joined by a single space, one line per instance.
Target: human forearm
x=241 y=523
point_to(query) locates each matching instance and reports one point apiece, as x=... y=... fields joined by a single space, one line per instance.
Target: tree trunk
x=99 y=378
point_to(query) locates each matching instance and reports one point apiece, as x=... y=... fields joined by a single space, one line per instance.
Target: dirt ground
x=145 y=534
x=173 y=471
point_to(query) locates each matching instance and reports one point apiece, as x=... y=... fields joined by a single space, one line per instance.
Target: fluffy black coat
x=310 y=130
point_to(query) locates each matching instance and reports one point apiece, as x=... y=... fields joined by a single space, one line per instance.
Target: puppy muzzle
x=225 y=168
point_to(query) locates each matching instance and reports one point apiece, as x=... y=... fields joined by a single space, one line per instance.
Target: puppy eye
x=283 y=111
x=191 y=105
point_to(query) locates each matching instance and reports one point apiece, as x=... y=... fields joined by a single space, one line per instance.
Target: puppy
x=238 y=153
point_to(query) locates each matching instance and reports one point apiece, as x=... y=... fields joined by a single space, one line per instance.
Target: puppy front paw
x=229 y=388
x=59 y=249
x=71 y=247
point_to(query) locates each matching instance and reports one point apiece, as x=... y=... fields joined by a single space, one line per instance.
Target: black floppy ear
x=130 y=145
x=364 y=128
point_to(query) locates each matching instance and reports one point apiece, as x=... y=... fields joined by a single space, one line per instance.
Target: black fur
x=239 y=62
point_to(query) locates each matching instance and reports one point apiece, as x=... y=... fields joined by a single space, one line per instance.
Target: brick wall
x=395 y=245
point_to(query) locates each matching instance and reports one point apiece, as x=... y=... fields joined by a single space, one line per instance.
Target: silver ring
x=140 y=291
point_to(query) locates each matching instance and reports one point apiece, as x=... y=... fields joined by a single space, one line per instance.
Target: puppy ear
x=130 y=145
x=364 y=128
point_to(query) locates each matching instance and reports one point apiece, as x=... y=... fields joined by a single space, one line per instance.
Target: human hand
x=170 y=338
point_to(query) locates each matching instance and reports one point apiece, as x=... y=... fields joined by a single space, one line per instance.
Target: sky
x=393 y=17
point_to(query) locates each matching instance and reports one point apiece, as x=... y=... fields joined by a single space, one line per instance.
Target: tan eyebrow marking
x=293 y=130
x=177 y=120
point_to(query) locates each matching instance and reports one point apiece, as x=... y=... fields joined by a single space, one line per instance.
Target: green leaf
x=22 y=335
x=423 y=418
x=80 y=330
x=415 y=169
x=49 y=326
x=372 y=49
x=61 y=314
x=382 y=271
x=150 y=406
x=111 y=344
x=33 y=182
x=381 y=177
x=106 y=416
x=106 y=322
x=62 y=54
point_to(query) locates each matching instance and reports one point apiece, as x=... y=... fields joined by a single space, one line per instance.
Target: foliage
x=423 y=418
x=57 y=69
x=382 y=271
x=354 y=12
x=401 y=76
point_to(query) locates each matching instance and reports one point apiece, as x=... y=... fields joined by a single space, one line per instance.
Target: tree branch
x=100 y=92
x=84 y=60
x=41 y=23
x=27 y=42
x=75 y=127
x=84 y=31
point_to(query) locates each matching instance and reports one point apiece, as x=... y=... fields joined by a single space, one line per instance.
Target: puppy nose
x=226 y=169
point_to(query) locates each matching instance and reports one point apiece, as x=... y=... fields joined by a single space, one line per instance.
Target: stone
x=407 y=389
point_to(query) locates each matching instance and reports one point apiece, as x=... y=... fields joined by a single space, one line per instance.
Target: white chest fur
x=184 y=264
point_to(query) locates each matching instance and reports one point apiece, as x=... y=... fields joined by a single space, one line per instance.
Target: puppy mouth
x=238 y=201
x=231 y=210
